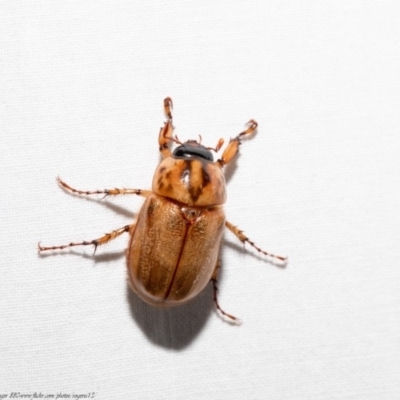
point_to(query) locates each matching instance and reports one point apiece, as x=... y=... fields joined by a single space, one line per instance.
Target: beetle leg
x=97 y=242
x=214 y=280
x=165 y=135
x=233 y=147
x=244 y=239
x=106 y=192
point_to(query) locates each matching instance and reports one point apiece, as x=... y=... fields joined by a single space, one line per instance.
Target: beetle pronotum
x=174 y=244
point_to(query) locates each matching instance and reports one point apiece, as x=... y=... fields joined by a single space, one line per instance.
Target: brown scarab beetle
x=175 y=242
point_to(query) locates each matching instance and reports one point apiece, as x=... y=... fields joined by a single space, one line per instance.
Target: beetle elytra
x=175 y=242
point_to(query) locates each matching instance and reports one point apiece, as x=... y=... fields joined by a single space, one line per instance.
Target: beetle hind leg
x=96 y=242
x=244 y=239
x=214 y=280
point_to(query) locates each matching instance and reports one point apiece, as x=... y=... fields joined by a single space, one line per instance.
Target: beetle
x=174 y=245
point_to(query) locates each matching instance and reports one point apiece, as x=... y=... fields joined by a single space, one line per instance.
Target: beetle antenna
x=217 y=147
x=176 y=140
x=173 y=138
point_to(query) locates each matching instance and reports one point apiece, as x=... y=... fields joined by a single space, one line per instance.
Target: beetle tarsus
x=165 y=135
x=252 y=126
x=244 y=239
x=168 y=106
x=97 y=242
x=106 y=192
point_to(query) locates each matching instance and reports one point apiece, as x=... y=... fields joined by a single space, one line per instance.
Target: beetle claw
x=230 y=319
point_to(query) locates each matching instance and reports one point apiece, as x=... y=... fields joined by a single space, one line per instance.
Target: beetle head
x=191 y=149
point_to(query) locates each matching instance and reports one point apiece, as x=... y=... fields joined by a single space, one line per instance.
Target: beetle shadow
x=175 y=327
x=172 y=328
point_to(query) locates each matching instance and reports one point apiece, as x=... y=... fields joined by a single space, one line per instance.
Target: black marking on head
x=205 y=177
x=193 y=149
x=195 y=191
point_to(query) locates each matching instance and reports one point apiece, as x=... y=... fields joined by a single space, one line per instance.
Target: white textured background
x=81 y=90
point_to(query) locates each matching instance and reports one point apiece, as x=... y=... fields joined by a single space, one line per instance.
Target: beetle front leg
x=244 y=239
x=214 y=280
x=96 y=242
x=106 y=192
x=165 y=135
x=233 y=147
